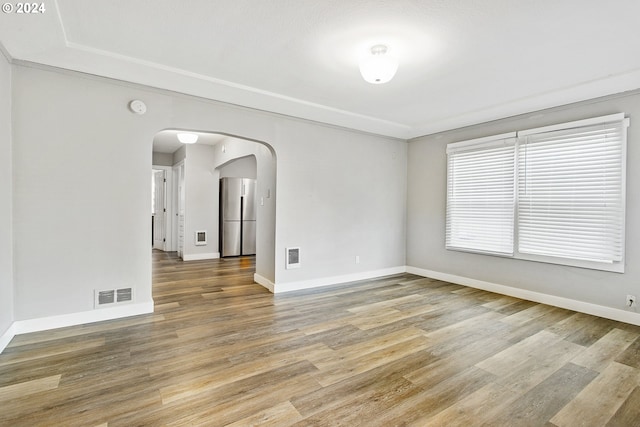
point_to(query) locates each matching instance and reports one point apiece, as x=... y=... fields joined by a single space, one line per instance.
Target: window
x=553 y=194
x=481 y=195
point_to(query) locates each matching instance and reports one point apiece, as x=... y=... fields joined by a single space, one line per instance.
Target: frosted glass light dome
x=187 y=138
x=378 y=67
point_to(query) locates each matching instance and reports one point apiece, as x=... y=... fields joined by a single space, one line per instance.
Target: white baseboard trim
x=200 y=257
x=570 y=304
x=72 y=319
x=335 y=280
x=6 y=338
x=264 y=282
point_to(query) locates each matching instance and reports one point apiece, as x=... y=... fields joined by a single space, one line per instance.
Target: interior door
x=159 y=209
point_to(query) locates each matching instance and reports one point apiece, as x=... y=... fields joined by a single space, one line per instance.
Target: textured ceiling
x=461 y=61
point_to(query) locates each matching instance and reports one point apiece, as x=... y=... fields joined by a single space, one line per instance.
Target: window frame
x=520 y=136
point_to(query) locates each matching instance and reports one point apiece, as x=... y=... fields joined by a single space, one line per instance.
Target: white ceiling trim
x=161 y=76
x=433 y=95
x=237 y=94
x=251 y=97
x=120 y=67
x=583 y=91
x=234 y=93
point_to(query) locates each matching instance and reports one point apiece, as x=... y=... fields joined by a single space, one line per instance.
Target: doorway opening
x=190 y=175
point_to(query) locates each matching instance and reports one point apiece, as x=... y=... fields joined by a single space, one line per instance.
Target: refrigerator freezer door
x=230 y=238
x=248 y=237
x=249 y=210
x=231 y=192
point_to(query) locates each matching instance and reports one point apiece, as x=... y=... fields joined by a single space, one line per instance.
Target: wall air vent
x=124 y=295
x=106 y=297
x=109 y=297
x=201 y=238
x=293 y=258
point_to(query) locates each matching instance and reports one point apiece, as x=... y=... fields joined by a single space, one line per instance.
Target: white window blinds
x=554 y=194
x=571 y=193
x=480 y=196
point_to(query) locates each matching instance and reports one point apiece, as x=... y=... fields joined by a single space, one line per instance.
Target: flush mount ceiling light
x=187 y=138
x=378 y=67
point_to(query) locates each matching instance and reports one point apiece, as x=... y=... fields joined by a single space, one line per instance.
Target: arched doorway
x=193 y=193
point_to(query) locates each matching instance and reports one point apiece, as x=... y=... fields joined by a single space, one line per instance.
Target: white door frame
x=159 y=208
x=175 y=204
x=169 y=244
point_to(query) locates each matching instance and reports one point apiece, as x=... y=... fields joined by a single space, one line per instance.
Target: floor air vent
x=293 y=258
x=107 y=297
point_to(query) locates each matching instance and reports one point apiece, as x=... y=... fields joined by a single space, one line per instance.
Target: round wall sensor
x=138 y=106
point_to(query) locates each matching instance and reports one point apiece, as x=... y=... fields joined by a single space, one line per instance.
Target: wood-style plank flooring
x=397 y=351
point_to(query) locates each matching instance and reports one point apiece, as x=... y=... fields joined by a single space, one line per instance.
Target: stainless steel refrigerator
x=237 y=216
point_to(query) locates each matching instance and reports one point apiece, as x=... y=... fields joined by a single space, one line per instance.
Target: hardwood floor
x=397 y=351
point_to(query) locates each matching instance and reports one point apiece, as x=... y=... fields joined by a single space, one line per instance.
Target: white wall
x=340 y=195
x=6 y=249
x=244 y=167
x=162 y=159
x=426 y=214
x=179 y=155
x=81 y=209
x=201 y=202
